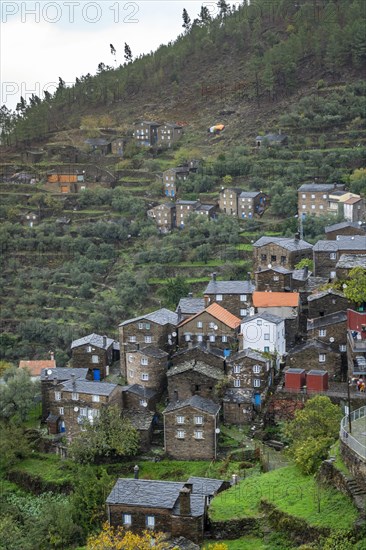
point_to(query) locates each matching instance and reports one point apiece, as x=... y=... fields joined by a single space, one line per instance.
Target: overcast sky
x=43 y=40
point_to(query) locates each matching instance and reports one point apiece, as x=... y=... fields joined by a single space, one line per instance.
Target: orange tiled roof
x=220 y=313
x=35 y=367
x=275 y=299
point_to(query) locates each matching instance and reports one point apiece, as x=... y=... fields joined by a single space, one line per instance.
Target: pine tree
x=128 y=53
x=186 y=20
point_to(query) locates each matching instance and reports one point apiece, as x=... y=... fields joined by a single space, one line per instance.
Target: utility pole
x=349 y=405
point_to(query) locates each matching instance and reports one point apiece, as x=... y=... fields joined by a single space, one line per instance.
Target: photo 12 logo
x=71 y=12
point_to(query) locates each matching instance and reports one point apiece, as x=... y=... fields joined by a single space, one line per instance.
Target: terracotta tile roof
x=219 y=313
x=35 y=367
x=275 y=299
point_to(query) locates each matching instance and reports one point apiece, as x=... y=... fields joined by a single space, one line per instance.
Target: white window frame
x=148 y=339
x=199 y=337
x=256 y=382
x=96 y=398
x=126 y=519
x=150 y=522
x=256 y=369
x=198 y=434
x=236 y=382
x=198 y=420
x=236 y=369
x=322 y=357
x=57 y=396
x=333 y=256
x=218 y=297
x=141 y=326
x=212 y=338
x=224 y=338
x=243 y=297
x=75 y=396
x=180 y=434
x=89 y=349
x=243 y=312
x=61 y=411
x=144 y=376
x=144 y=361
x=322 y=332
x=95 y=359
x=132 y=339
x=343 y=348
x=179 y=419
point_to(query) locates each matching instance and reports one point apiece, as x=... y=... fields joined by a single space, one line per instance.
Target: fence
x=351 y=441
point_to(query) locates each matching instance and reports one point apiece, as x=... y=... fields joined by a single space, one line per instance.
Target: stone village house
x=286 y=252
x=313 y=198
x=147 y=367
x=327 y=253
x=234 y=296
x=193 y=378
x=343 y=229
x=191 y=429
x=94 y=352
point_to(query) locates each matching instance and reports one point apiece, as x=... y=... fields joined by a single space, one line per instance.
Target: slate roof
x=62 y=373
x=265 y=316
x=205 y=485
x=205 y=207
x=306 y=187
x=36 y=367
x=141 y=421
x=89 y=387
x=341 y=225
x=343 y=242
x=308 y=345
x=248 y=352
x=301 y=274
x=317 y=372
x=238 y=395
x=232 y=189
x=197 y=366
x=188 y=203
x=153 y=494
x=290 y=244
x=229 y=287
x=92 y=340
x=161 y=316
x=196 y=402
x=191 y=305
x=150 y=122
x=327 y=320
x=202 y=347
x=275 y=299
x=249 y=194
x=348 y=261
x=277 y=269
x=151 y=351
x=140 y=390
x=323 y=293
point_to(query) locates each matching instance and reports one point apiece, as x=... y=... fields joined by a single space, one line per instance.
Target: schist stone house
x=343 y=229
x=147 y=367
x=172 y=177
x=176 y=508
x=280 y=251
x=164 y=216
x=354 y=209
x=200 y=352
x=146 y=133
x=94 y=352
x=50 y=378
x=327 y=253
x=326 y=302
x=313 y=198
x=168 y=134
x=250 y=375
x=272 y=140
x=263 y=332
x=184 y=209
x=240 y=203
x=193 y=378
x=314 y=355
x=235 y=296
x=139 y=398
x=215 y=325
x=191 y=429
x=280 y=279
x=99 y=146
x=157 y=328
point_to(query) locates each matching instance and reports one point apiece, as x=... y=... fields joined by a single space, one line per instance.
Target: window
x=141 y=326
x=236 y=383
x=322 y=357
x=181 y=434
x=259 y=322
x=199 y=324
x=276 y=278
x=96 y=398
x=342 y=347
x=95 y=359
x=332 y=275
x=273 y=258
x=57 y=396
x=144 y=376
x=211 y=325
x=147 y=326
x=303 y=206
x=322 y=332
x=283 y=259
x=187 y=337
x=243 y=313
x=263 y=257
x=333 y=256
x=199 y=337
x=266 y=349
x=198 y=420
x=132 y=339
x=243 y=298
x=144 y=361
x=266 y=336
x=180 y=419
x=88 y=349
x=212 y=337
x=256 y=369
x=303 y=196
x=321 y=207
x=256 y=382
x=148 y=339
x=75 y=396
x=198 y=434
x=218 y=297
x=131 y=373
x=143 y=402
x=313 y=206
x=150 y=522
x=236 y=369
x=61 y=411
x=325 y=196
x=223 y=338
x=126 y=519
x=313 y=196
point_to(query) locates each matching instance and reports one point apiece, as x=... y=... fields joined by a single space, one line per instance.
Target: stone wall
x=330 y=475
x=355 y=464
x=183 y=385
x=233 y=529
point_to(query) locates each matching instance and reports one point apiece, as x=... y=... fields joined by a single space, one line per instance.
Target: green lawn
x=291 y=492
x=48 y=468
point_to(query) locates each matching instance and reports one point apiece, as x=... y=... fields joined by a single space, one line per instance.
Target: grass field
x=291 y=492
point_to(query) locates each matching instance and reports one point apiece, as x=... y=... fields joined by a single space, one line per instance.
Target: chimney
x=214 y=276
x=306 y=272
x=104 y=341
x=190 y=344
x=179 y=313
x=190 y=294
x=52 y=356
x=185 y=500
x=73 y=380
x=249 y=276
x=55 y=380
x=297 y=236
x=136 y=472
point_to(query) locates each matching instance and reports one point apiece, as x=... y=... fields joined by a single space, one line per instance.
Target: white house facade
x=263 y=332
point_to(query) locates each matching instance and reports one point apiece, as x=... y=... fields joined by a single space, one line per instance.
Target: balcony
x=354 y=340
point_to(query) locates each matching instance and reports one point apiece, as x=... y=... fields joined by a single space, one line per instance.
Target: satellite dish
x=344 y=285
x=215 y=327
x=269 y=266
x=144 y=404
x=217 y=431
x=76 y=409
x=331 y=339
x=49 y=372
x=174 y=334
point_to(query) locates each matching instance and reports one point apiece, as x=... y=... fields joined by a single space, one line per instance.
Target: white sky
x=42 y=40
